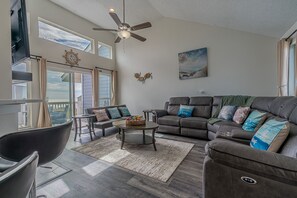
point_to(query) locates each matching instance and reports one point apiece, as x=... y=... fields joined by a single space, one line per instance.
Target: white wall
x=239 y=63
x=5 y=50
x=53 y=51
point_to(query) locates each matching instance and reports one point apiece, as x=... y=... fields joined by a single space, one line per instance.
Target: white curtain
x=114 y=88
x=95 y=79
x=283 y=49
x=44 y=119
x=295 y=65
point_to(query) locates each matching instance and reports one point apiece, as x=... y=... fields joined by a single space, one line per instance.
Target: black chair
x=18 y=181
x=48 y=142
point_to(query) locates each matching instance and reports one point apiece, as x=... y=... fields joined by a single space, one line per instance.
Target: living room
x=91 y=61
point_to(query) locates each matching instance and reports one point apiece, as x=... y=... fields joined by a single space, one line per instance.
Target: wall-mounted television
x=20 y=49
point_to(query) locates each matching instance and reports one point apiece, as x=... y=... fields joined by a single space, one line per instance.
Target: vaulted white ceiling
x=266 y=17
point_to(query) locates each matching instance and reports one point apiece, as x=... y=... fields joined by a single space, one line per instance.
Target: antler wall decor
x=143 y=78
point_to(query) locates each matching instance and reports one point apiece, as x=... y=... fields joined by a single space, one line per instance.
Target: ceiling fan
x=124 y=30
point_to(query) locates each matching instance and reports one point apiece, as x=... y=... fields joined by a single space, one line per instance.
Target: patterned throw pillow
x=185 y=111
x=124 y=111
x=241 y=114
x=227 y=112
x=114 y=113
x=101 y=115
x=271 y=135
x=254 y=121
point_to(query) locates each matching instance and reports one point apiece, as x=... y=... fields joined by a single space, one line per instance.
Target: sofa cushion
x=241 y=114
x=223 y=125
x=262 y=103
x=107 y=123
x=114 y=113
x=271 y=135
x=185 y=111
x=174 y=104
x=124 y=111
x=283 y=106
x=194 y=123
x=169 y=129
x=254 y=121
x=202 y=106
x=169 y=120
x=101 y=115
x=227 y=112
x=217 y=100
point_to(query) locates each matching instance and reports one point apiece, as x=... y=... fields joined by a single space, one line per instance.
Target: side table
x=147 y=113
x=77 y=126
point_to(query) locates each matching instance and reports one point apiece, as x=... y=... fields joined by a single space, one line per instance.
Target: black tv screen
x=19 y=31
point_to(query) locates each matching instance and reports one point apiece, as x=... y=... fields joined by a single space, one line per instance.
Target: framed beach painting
x=193 y=64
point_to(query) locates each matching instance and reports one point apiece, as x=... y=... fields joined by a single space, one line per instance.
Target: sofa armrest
x=267 y=164
x=160 y=112
x=241 y=134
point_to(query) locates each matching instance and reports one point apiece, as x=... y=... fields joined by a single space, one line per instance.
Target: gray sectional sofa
x=231 y=167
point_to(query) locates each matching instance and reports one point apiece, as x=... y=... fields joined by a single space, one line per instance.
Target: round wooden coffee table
x=136 y=138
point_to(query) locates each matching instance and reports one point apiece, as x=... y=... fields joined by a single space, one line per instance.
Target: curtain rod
x=36 y=57
x=291 y=35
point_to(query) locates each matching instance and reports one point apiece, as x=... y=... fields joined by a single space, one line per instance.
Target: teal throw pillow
x=271 y=135
x=185 y=111
x=125 y=111
x=254 y=121
x=227 y=112
x=114 y=113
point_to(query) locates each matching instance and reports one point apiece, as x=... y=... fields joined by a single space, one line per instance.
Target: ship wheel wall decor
x=143 y=78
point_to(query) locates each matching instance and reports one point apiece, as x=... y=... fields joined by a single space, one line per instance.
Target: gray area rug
x=45 y=175
x=142 y=159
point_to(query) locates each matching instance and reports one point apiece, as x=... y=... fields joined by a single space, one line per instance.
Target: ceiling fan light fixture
x=124 y=34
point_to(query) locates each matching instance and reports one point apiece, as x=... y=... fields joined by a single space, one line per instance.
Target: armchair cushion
x=243 y=157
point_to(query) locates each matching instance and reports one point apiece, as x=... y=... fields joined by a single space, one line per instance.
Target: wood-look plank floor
x=112 y=181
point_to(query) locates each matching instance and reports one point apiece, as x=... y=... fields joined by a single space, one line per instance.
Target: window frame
x=92 y=51
x=29 y=106
x=106 y=45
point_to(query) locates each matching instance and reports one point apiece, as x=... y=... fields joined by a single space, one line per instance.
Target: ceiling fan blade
x=103 y=29
x=115 y=17
x=141 y=26
x=136 y=36
x=118 y=39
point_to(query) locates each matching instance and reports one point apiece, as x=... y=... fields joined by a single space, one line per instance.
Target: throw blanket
x=245 y=101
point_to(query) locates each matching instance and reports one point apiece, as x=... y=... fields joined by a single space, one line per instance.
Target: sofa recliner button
x=248 y=180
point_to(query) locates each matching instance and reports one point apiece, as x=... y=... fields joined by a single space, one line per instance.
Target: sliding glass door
x=104 y=88
x=68 y=93
x=83 y=92
x=59 y=96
